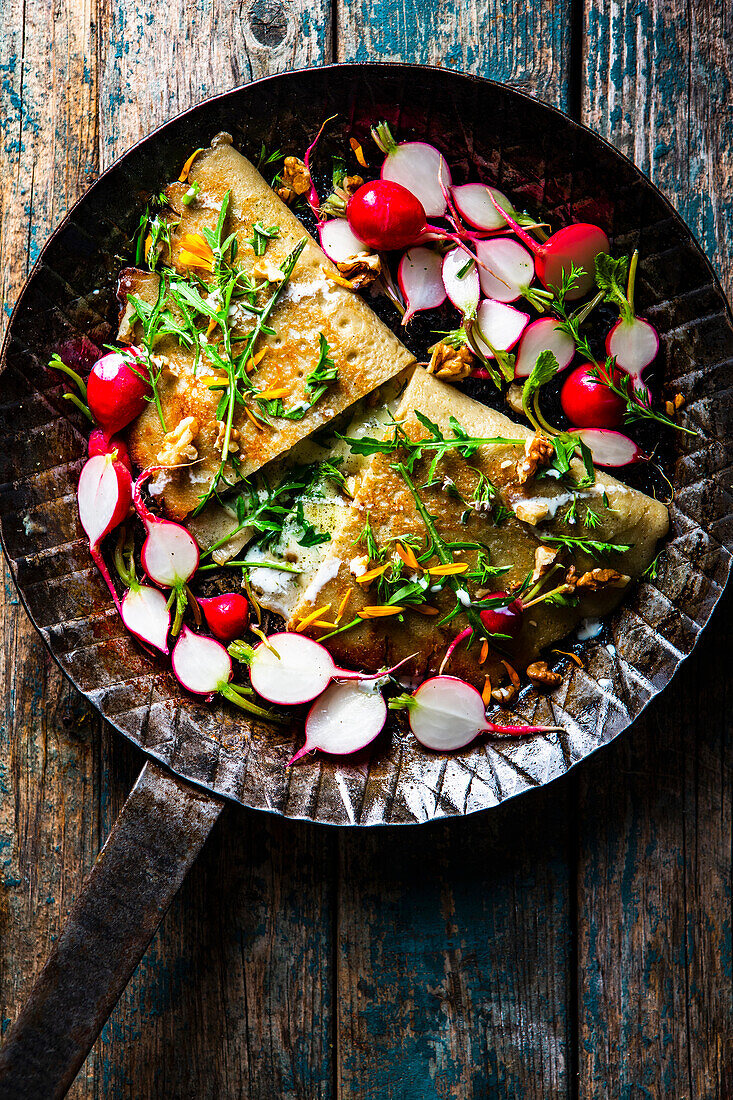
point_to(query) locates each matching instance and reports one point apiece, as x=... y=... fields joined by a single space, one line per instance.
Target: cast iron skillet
x=493 y=133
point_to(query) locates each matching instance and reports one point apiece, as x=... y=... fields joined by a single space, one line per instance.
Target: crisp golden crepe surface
x=365 y=351
x=383 y=498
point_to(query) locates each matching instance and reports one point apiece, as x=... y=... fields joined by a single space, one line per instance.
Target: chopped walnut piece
x=543 y=677
x=602 y=578
x=178 y=444
x=361 y=269
x=571 y=580
x=513 y=398
x=504 y=695
x=233 y=438
x=451 y=364
x=544 y=556
x=295 y=179
x=266 y=269
x=531 y=511
x=538 y=451
x=673 y=406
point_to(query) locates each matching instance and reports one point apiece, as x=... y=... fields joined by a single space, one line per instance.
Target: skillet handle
x=154 y=841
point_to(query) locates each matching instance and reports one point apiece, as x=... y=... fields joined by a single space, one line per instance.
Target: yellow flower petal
x=358 y=151
x=380 y=612
x=281 y=391
x=486 y=693
x=342 y=605
x=372 y=574
x=187 y=165
x=448 y=570
x=311 y=617
x=408 y=556
x=190 y=259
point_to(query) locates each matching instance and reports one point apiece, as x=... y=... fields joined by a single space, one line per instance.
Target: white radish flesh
x=501 y=326
x=339 y=241
x=473 y=202
x=200 y=664
x=464 y=290
x=420 y=168
x=447 y=713
x=346 y=718
x=104 y=496
x=421 y=281
x=610 y=448
x=506 y=268
x=145 y=613
x=170 y=555
x=634 y=345
x=543 y=335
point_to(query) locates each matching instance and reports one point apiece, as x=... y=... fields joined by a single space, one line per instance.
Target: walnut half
x=543 y=677
x=451 y=364
x=538 y=451
x=178 y=443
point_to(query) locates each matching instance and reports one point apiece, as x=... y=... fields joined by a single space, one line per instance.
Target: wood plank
x=453 y=957
x=654 y=888
x=526 y=45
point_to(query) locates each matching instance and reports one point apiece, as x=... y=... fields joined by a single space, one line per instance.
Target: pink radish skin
x=344 y=719
x=610 y=449
x=145 y=613
x=500 y=325
x=104 y=497
x=386 y=216
x=170 y=555
x=419 y=168
x=339 y=241
x=203 y=667
x=543 y=335
x=116 y=394
x=226 y=616
x=292 y=669
x=578 y=243
x=421 y=281
x=634 y=344
x=447 y=713
x=474 y=203
x=507 y=269
x=463 y=292
x=100 y=443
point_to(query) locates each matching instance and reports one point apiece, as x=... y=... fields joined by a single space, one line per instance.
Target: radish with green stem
x=632 y=341
x=577 y=244
x=344 y=719
x=446 y=713
x=506 y=268
x=421 y=281
x=417 y=166
x=104 y=497
x=202 y=666
x=543 y=335
x=498 y=327
x=610 y=449
x=170 y=554
x=461 y=281
x=289 y=668
x=144 y=610
x=118 y=389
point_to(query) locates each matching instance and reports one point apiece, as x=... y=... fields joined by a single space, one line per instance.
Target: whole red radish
x=385 y=215
x=100 y=443
x=503 y=620
x=117 y=389
x=226 y=615
x=587 y=402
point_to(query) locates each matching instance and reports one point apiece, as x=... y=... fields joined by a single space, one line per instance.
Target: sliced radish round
x=508 y=268
x=170 y=555
x=339 y=241
x=344 y=719
x=421 y=281
x=200 y=664
x=145 y=613
x=447 y=713
x=464 y=290
x=420 y=168
x=543 y=335
x=474 y=204
x=610 y=448
x=634 y=344
x=500 y=325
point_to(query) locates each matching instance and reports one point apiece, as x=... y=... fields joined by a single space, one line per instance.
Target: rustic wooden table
x=574 y=943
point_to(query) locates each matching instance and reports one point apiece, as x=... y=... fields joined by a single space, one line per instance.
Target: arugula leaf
x=611 y=276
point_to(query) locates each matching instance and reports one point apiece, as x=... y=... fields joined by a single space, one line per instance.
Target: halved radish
x=474 y=203
x=344 y=719
x=543 y=335
x=499 y=326
x=339 y=241
x=145 y=613
x=609 y=448
x=289 y=668
x=104 y=497
x=417 y=166
x=507 y=269
x=170 y=554
x=421 y=281
x=633 y=343
x=446 y=713
x=203 y=667
x=461 y=281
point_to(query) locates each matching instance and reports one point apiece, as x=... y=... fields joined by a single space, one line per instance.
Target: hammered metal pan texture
x=529 y=150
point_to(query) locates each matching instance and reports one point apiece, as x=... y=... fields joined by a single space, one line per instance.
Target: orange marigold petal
x=311 y=617
x=187 y=165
